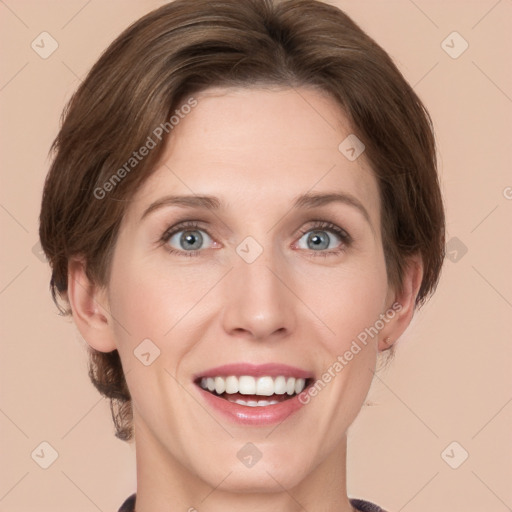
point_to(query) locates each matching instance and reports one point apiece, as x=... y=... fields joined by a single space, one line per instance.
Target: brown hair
x=185 y=47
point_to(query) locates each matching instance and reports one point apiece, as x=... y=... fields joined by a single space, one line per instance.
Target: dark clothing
x=361 y=505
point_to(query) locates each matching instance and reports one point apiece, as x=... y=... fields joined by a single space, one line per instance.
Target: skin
x=256 y=149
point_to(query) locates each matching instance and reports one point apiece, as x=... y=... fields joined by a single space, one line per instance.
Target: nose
x=259 y=302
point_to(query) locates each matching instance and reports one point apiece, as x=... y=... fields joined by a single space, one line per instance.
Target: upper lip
x=256 y=370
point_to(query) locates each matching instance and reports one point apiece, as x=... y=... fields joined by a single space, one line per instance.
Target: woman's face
x=257 y=278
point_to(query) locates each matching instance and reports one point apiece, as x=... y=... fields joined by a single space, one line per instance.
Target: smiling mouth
x=254 y=392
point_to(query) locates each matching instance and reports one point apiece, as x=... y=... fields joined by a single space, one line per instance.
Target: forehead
x=257 y=147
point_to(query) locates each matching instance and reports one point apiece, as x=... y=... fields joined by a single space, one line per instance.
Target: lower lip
x=259 y=415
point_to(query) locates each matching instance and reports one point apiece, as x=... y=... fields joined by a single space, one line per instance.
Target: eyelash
x=317 y=226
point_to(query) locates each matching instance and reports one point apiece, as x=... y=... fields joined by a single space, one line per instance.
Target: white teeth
x=280 y=385
x=299 y=385
x=220 y=385
x=290 y=386
x=253 y=403
x=265 y=386
x=249 y=385
x=231 y=385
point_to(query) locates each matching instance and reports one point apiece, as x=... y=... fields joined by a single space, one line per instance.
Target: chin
x=269 y=475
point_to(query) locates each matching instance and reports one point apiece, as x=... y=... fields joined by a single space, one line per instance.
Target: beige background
x=451 y=378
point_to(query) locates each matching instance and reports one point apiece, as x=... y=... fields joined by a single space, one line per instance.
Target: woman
x=242 y=214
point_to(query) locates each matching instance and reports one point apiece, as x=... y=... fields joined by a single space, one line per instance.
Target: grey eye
x=188 y=239
x=317 y=239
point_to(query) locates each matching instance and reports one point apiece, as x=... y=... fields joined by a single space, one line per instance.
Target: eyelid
x=312 y=225
x=324 y=225
x=185 y=225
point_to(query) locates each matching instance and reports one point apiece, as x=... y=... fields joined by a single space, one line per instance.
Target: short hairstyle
x=185 y=47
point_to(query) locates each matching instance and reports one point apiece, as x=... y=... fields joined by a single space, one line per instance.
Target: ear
x=90 y=308
x=400 y=305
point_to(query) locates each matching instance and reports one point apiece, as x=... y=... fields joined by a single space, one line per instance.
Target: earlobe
x=401 y=307
x=90 y=308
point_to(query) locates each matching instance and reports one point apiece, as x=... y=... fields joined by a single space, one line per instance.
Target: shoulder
x=364 y=506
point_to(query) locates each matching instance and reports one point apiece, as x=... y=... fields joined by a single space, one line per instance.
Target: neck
x=166 y=484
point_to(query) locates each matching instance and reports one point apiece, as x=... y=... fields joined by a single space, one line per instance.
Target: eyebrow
x=305 y=201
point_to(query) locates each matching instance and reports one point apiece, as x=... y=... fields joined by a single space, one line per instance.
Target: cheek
x=347 y=299
x=148 y=299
